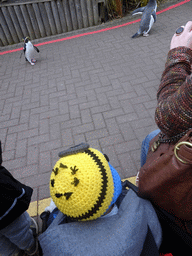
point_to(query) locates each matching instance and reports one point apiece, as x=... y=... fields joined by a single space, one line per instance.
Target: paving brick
x=79 y=139
x=98 y=121
x=32 y=154
x=44 y=191
x=7 y=109
x=45 y=162
x=101 y=108
x=38 y=139
x=128 y=165
x=35 y=181
x=10 y=141
x=63 y=108
x=44 y=126
x=3 y=135
x=141 y=111
x=34 y=107
x=86 y=116
x=24 y=117
x=67 y=138
x=113 y=113
x=8 y=155
x=4 y=118
x=15 y=163
x=127 y=146
x=25 y=171
x=70 y=123
x=88 y=105
x=55 y=131
x=18 y=128
x=27 y=134
x=74 y=111
x=21 y=148
x=97 y=134
x=141 y=122
x=83 y=128
x=111 y=140
x=50 y=145
x=33 y=121
x=109 y=150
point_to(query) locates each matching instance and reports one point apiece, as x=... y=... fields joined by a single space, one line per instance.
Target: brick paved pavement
x=98 y=88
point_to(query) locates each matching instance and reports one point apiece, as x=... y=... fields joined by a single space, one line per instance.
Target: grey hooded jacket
x=118 y=235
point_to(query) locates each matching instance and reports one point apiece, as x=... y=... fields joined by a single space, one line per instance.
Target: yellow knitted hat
x=81 y=185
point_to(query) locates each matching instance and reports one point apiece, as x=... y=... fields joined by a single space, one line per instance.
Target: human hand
x=184 y=38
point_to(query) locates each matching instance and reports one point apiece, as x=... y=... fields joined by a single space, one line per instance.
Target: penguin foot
x=33 y=61
x=145 y=34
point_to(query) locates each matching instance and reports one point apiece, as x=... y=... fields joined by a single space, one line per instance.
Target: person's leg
x=6 y=247
x=145 y=145
x=17 y=236
x=145 y=148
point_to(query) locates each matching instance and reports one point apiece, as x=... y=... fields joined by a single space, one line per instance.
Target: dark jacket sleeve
x=174 y=110
x=14 y=198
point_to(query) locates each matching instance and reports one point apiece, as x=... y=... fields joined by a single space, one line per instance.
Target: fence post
x=62 y=16
x=15 y=22
x=21 y=20
x=3 y=39
x=84 y=13
x=10 y=24
x=27 y=22
x=56 y=17
x=50 y=18
x=95 y=11
x=33 y=21
x=39 y=19
x=90 y=12
x=79 y=13
x=5 y=28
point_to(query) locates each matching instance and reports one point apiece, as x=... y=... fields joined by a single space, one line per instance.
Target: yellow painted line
x=32 y=210
x=37 y=207
x=132 y=179
x=43 y=204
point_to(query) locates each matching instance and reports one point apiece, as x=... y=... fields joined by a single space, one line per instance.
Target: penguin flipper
x=154 y=16
x=138 y=11
x=35 y=47
x=24 y=48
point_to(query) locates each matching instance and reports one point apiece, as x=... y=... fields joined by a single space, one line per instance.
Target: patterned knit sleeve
x=174 y=110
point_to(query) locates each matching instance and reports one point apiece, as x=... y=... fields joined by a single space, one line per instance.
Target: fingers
x=188 y=26
x=182 y=37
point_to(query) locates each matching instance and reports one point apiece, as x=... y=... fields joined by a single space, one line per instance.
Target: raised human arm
x=174 y=110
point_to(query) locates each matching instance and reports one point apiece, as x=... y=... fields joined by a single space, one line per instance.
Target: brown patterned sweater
x=174 y=110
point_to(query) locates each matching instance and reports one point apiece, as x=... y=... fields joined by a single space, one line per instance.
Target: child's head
x=83 y=185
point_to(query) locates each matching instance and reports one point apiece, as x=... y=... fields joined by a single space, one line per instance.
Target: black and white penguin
x=148 y=18
x=28 y=50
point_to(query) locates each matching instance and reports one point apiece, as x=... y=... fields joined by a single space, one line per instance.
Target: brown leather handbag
x=166 y=177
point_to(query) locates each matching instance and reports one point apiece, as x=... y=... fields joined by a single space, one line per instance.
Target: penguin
x=28 y=50
x=148 y=18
